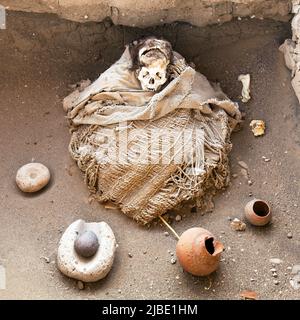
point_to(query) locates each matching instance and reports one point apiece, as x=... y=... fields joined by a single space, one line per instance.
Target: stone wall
x=143 y=13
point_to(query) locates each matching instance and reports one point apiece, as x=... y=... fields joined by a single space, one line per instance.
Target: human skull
x=153 y=71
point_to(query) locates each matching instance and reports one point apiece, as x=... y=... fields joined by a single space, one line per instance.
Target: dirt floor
x=40 y=56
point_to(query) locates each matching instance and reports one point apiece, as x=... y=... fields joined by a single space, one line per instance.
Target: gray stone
x=86 y=244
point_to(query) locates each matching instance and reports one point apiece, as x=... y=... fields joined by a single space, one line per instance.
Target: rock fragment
x=178 y=218
x=80 y=285
x=245 y=79
x=238 y=225
x=248 y=295
x=243 y=165
x=275 y=261
x=258 y=127
x=296 y=269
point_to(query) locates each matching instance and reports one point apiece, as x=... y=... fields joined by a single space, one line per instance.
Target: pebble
x=295 y=282
x=289 y=235
x=250 y=183
x=178 y=218
x=80 y=285
x=173 y=260
x=275 y=261
x=166 y=233
x=47 y=260
x=244 y=173
x=243 y=165
x=130 y=255
x=234 y=175
x=295 y=269
x=273 y=270
x=276 y=282
x=32 y=177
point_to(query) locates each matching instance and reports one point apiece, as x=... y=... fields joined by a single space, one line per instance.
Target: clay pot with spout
x=258 y=212
x=198 y=252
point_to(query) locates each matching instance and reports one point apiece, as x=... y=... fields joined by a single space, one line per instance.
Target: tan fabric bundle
x=152 y=174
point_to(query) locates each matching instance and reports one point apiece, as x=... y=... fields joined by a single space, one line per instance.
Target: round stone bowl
x=78 y=267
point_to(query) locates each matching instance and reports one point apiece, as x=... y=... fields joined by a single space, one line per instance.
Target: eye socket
x=158 y=75
x=145 y=74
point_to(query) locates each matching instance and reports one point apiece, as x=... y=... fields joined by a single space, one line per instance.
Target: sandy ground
x=40 y=55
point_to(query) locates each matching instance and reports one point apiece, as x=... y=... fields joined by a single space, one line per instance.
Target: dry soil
x=40 y=56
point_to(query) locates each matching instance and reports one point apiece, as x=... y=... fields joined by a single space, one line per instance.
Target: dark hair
x=136 y=45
